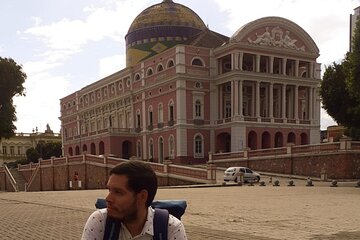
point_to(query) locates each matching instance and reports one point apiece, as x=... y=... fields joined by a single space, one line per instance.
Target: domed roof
x=167 y=13
x=160 y=27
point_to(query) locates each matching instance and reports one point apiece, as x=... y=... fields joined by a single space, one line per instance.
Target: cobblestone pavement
x=264 y=213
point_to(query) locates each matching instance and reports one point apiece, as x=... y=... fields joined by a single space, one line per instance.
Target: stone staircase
x=20 y=180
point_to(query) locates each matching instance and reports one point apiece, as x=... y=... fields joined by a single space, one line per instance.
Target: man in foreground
x=132 y=187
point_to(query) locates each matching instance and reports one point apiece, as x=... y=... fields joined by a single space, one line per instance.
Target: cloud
x=327 y=24
x=41 y=103
x=326 y=120
x=110 y=65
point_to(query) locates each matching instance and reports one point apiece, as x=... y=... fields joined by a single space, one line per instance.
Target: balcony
x=198 y=121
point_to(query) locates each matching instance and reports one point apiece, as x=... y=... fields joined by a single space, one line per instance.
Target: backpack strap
x=112 y=229
x=161 y=220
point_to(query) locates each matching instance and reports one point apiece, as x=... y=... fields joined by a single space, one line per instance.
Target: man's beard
x=130 y=214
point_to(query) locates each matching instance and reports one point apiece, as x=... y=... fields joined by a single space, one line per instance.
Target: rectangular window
x=4 y=150
x=12 y=150
x=19 y=151
x=171 y=110
x=150 y=118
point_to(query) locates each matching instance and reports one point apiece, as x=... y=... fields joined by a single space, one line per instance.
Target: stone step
x=20 y=180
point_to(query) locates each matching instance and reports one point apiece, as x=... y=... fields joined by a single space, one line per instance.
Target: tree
x=32 y=155
x=48 y=150
x=334 y=93
x=12 y=79
x=340 y=89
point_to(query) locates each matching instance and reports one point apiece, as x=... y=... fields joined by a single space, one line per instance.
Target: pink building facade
x=205 y=93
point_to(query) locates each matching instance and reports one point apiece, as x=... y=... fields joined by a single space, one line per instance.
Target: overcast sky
x=65 y=45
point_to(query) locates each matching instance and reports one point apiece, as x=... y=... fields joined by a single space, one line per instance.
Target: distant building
x=15 y=148
x=353 y=18
x=187 y=91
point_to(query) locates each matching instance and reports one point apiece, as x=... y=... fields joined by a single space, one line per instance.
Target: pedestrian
x=132 y=187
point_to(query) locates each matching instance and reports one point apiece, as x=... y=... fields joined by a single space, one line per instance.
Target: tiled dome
x=158 y=28
x=167 y=13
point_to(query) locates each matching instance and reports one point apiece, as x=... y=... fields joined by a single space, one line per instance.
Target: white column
x=257 y=63
x=284 y=66
x=236 y=97
x=240 y=90
x=296 y=103
x=283 y=101
x=297 y=68
x=311 y=104
x=271 y=70
x=311 y=75
x=241 y=60
x=236 y=60
x=271 y=100
x=221 y=114
x=258 y=99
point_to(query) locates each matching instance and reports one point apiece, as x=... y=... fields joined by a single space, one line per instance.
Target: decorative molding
x=276 y=38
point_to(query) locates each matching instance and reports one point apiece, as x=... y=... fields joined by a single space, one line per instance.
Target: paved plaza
x=231 y=212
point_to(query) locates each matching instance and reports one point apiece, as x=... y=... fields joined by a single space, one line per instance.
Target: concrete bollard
x=309 y=183
x=358 y=184
x=333 y=183
x=276 y=183
x=291 y=183
x=251 y=183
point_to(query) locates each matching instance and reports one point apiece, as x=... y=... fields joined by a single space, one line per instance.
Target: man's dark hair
x=140 y=176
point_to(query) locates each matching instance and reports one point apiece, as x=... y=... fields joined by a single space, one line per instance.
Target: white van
x=233 y=173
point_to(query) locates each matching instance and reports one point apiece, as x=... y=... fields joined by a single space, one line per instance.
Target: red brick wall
x=344 y=165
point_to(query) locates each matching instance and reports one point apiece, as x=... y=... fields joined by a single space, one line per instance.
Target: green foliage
x=12 y=79
x=340 y=89
x=48 y=150
x=32 y=155
x=44 y=151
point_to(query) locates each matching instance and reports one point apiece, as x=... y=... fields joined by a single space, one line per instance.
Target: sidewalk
x=260 y=213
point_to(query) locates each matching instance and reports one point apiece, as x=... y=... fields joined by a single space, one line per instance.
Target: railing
x=187 y=171
x=11 y=178
x=291 y=149
x=267 y=152
x=32 y=178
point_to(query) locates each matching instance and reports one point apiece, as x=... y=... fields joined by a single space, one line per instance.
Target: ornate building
x=187 y=91
x=14 y=148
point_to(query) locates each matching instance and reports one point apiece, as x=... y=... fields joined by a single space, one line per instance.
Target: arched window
x=171 y=112
x=70 y=151
x=161 y=150
x=149 y=72
x=93 y=149
x=137 y=77
x=77 y=150
x=197 y=109
x=101 y=148
x=150 y=116
x=197 y=62
x=138 y=119
x=171 y=147
x=170 y=63
x=138 y=150
x=198 y=146
x=159 y=68
x=160 y=112
x=151 y=150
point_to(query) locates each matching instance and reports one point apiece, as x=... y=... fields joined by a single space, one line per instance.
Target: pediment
x=276 y=32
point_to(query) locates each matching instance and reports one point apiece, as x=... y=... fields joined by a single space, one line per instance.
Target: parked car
x=233 y=173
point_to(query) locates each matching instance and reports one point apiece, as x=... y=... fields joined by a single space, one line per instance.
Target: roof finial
x=167 y=1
